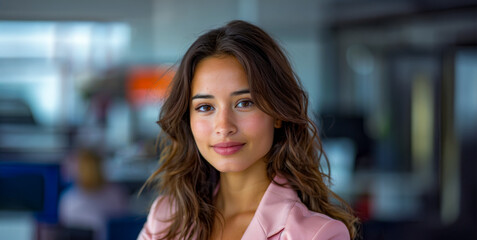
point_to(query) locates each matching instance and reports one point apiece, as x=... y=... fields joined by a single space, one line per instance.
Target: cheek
x=200 y=129
x=259 y=125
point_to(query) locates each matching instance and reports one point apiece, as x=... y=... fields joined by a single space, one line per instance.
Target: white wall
x=138 y=14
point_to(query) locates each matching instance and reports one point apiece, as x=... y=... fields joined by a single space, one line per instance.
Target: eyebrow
x=208 y=96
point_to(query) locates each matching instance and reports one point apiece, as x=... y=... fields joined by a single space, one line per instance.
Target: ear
x=278 y=123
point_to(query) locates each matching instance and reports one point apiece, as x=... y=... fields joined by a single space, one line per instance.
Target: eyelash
x=250 y=103
x=198 y=108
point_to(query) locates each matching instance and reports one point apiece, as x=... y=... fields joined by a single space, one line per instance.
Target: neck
x=241 y=192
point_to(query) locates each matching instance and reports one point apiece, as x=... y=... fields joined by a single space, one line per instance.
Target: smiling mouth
x=227 y=148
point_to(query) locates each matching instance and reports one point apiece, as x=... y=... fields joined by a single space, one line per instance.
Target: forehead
x=219 y=73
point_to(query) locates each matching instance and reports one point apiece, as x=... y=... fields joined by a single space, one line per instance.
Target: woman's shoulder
x=158 y=218
x=305 y=224
x=162 y=208
x=281 y=211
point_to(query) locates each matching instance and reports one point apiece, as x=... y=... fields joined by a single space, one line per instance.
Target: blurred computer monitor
x=30 y=187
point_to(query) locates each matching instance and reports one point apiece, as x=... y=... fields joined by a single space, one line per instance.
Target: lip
x=227 y=148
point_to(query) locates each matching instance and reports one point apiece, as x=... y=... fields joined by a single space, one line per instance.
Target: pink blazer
x=280 y=215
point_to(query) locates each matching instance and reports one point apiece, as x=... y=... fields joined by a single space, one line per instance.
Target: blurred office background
x=392 y=86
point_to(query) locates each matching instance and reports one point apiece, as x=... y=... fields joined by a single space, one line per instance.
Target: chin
x=230 y=167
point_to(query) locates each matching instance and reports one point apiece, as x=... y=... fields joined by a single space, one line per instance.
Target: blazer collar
x=273 y=210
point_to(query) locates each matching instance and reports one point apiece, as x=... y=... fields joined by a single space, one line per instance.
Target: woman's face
x=231 y=133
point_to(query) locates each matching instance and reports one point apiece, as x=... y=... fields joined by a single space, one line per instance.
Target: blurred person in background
x=243 y=159
x=91 y=200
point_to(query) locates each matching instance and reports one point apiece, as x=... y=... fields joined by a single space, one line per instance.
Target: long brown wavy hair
x=189 y=180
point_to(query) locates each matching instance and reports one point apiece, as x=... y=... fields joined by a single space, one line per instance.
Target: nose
x=225 y=123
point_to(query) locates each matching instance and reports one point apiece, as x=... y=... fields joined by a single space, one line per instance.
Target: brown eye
x=204 y=108
x=244 y=104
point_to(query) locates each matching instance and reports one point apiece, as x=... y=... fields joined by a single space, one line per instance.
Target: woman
x=241 y=159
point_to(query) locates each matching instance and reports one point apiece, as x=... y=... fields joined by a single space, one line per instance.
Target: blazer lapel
x=272 y=212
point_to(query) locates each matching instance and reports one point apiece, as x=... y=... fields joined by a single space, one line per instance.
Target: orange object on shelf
x=148 y=84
